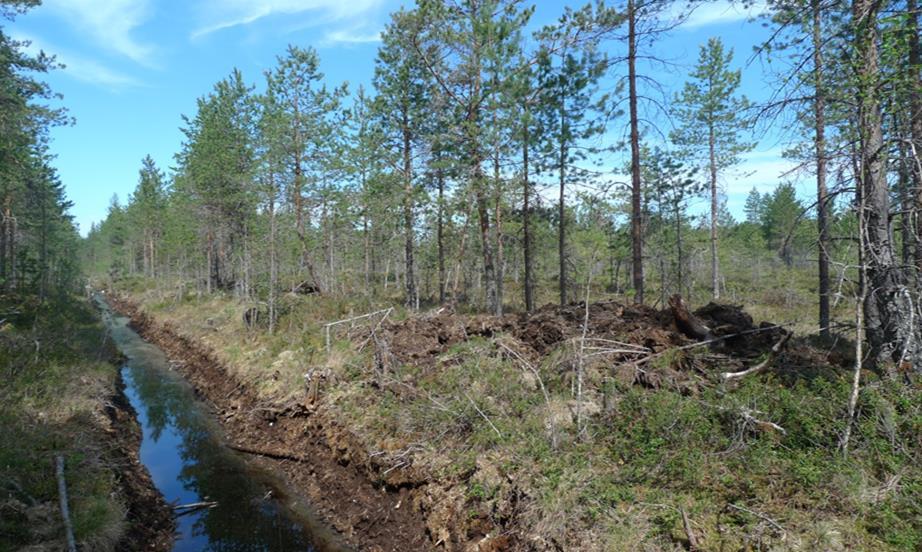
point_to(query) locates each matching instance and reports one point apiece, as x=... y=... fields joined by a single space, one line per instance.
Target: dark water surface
x=183 y=451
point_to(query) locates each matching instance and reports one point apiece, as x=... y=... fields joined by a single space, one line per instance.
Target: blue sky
x=135 y=66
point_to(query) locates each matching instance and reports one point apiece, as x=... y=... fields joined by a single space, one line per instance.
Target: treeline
x=478 y=170
x=38 y=240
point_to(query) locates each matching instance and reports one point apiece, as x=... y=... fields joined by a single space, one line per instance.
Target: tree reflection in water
x=182 y=449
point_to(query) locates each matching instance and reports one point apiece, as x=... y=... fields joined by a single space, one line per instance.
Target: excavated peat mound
x=733 y=334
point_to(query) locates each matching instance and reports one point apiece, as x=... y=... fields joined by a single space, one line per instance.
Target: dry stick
x=772 y=355
x=266 y=453
x=760 y=515
x=692 y=538
x=547 y=398
x=582 y=350
x=184 y=509
x=65 y=512
x=859 y=330
x=856 y=378
x=483 y=415
x=327 y=326
x=374 y=330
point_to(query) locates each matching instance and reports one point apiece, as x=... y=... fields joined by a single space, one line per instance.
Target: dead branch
x=747 y=415
x=772 y=355
x=689 y=532
x=192 y=506
x=484 y=416
x=761 y=516
x=65 y=511
x=267 y=453
x=327 y=327
x=530 y=367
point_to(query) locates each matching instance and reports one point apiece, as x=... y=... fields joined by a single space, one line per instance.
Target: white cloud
x=224 y=14
x=79 y=67
x=762 y=170
x=721 y=11
x=110 y=23
x=351 y=36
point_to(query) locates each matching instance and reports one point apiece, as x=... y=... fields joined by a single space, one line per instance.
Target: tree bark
x=561 y=211
x=412 y=298
x=636 y=192
x=822 y=196
x=883 y=317
x=440 y=229
x=498 y=212
x=715 y=265
x=915 y=106
x=273 y=257
x=526 y=221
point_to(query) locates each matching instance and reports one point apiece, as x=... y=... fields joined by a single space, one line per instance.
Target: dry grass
x=478 y=423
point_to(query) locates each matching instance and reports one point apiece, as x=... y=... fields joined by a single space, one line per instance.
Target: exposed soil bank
x=150 y=517
x=316 y=456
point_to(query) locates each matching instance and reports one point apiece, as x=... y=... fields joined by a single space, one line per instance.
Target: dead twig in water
x=184 y=509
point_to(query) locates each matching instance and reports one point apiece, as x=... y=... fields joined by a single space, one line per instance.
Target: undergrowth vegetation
x=55 y=365
x=593 y=460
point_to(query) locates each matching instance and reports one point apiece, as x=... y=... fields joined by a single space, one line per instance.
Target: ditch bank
x=311 y=452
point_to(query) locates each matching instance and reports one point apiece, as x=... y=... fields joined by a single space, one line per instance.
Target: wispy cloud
x=79 y=67
x=762 y=170
x=351 y=36
x=721 y=11
x=225 y=14
x=110 y=23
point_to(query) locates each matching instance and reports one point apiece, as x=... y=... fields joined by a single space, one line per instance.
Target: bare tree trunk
x=562 y=214
x=915 y=125
x=636 y=192
x=822 y=196
x=904 y=179
x=680 y=269
x=715 y=268
x=498 y=226
x=884 y=320
x=273 y=258
x=412 y=298
x=526 y=222
x=440 y=230
x=366 y=238
x=4 y=238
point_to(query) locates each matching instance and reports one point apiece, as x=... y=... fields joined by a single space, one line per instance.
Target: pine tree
x=711 y=117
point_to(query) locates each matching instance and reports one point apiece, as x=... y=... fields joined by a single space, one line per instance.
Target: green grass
x=56 y=379
x=480 y=425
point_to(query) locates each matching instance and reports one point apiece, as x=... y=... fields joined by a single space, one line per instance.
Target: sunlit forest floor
x=514 y=432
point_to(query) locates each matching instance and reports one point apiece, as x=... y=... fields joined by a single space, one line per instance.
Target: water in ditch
x=183 y=450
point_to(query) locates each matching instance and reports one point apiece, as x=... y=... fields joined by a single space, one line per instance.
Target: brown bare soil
x=421 y=340
x=311 y=451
